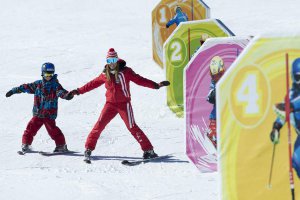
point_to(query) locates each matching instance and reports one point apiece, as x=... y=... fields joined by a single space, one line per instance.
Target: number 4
x=248 y=94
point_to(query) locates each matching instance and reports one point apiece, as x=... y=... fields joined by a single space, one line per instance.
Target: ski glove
x=164 y=83
x=167 y=26
x=211 y=97
x=74 y=92
x=279 y=109
x=275 y=134
x=9 y=93
x=69 y=96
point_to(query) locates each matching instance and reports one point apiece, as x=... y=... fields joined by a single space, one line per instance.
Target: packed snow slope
x=75 y=35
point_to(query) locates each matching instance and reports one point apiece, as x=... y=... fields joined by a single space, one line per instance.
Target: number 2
x=176 y=56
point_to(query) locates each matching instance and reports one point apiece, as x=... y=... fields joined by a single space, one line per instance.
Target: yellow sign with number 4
x=252 y=164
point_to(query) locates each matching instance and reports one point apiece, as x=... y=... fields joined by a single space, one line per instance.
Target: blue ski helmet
x=178 y=9
x=296 y=71
x=48 y=68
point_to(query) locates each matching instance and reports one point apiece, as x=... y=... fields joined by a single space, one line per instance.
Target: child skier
x=46 y=93
x=217 y=70
x=179 y=17
x=294 y=94
x=116 y=77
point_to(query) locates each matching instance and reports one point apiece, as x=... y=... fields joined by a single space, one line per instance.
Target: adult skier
x=178 y=18
x=217 y=70
x=294 y=96
x=46 y=93
x=116 y=76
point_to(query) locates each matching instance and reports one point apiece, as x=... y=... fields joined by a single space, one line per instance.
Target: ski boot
x=61 y=148
x=149 y=154
x=213 y=140
x=211 y=132
x=87 y=156
x=24 y=149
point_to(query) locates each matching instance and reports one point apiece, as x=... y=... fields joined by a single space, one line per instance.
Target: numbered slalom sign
x=179 y=48
x=167 y=15
x=259 y=156
x=202 y=73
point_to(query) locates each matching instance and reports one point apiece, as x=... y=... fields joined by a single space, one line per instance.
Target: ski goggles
x=111 y=60
x=297 y=77
x=48 y=74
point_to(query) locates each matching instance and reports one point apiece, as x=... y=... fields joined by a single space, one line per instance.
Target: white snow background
x=75 y=35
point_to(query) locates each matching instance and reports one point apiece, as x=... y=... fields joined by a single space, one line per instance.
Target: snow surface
x=75 y=35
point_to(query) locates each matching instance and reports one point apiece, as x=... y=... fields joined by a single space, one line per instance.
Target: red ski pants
x=109 y=111
x=36 y=123
x=213 y=134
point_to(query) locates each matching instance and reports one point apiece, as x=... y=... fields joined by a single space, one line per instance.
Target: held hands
x=9 y=93
x=71 y=94
x=74 y=92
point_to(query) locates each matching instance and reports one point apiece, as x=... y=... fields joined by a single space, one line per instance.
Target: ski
x=45 y=153
x=21 y=152
x=137 y=162
x=87 y=160
x=25 y=152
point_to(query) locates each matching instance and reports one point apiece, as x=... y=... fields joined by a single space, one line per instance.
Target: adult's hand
x=164 y=83
x=74 y=92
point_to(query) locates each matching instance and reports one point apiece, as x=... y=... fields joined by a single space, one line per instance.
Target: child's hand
x=9 y=93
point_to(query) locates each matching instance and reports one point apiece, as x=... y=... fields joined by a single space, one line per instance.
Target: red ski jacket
x=118 y=91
